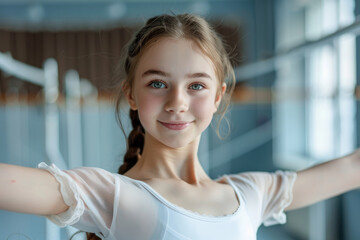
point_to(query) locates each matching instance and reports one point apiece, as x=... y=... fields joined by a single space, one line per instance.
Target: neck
x=169 y=163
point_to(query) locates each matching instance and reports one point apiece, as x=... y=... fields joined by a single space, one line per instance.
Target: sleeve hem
x=279 y=216
x=70 y=195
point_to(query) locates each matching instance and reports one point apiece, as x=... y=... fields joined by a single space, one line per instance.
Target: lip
x=177 y=125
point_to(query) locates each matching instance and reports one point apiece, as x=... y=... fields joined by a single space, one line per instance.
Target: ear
x=219 y=96
x=129 y=96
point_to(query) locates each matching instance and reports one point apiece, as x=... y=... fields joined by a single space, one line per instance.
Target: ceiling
x=56 y=15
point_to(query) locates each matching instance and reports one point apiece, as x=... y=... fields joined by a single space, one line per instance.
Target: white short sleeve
x=266 y=195
x=89 y=193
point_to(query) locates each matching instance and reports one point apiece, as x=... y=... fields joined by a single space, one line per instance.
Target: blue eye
x=157 y=84
x=196 y=86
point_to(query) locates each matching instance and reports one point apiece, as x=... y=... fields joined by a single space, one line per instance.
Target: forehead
x=178 y=57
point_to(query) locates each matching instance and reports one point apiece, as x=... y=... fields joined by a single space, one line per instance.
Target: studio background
x=296 y=101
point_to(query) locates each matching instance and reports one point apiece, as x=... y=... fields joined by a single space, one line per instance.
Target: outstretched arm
x=29 y=190
x=326 y=180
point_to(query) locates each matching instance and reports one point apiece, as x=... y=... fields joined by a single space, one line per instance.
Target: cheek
x=147 y=107
x=204 y=107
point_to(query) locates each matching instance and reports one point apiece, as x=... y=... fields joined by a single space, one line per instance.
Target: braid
x=135 y=143
x=92 y=236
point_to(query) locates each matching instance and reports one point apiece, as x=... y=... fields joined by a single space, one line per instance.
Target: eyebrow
x=164 y=74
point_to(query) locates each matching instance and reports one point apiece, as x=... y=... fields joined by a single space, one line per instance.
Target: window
x=315 y=106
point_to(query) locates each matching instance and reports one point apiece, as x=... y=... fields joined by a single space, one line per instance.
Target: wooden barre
x=241 y=95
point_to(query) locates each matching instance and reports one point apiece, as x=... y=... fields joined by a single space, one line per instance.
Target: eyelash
x=196 y=83
x=156 y=81
x=159 y=81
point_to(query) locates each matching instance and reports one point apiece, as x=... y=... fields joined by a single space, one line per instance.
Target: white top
x=117 y=207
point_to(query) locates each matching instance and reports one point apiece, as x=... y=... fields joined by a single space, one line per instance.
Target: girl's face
x=175 y=91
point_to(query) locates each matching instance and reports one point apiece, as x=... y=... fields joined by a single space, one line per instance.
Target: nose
x=176 y=101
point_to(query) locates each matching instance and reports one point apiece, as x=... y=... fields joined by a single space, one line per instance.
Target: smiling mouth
x=176 y=125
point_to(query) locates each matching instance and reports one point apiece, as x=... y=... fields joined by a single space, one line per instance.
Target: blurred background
x=296 y=101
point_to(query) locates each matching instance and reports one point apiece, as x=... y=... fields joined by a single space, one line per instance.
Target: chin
x=175 y=145
x=176 y=142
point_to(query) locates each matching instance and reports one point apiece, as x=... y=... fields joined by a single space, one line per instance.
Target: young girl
x=177 y=76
